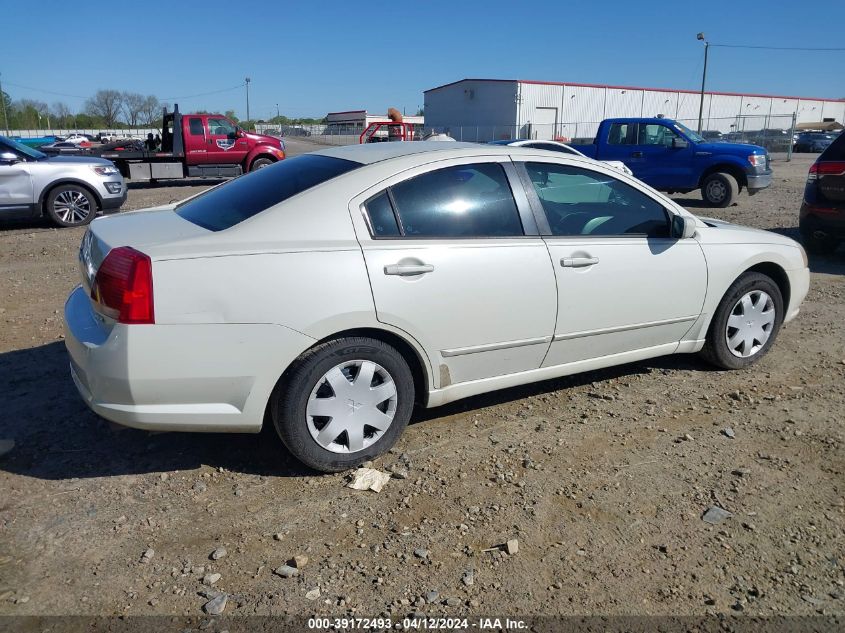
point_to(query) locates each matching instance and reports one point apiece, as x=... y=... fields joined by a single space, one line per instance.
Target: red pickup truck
x=196 y=146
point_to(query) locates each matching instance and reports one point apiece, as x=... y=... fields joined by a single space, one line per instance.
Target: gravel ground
x=602 y=479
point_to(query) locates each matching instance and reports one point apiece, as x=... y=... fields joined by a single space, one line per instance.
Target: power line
x=203 y=94
x=780 y=48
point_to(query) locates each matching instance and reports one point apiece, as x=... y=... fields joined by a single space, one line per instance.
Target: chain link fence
x=776 y=132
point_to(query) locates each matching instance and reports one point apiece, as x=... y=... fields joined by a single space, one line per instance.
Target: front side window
x=656 y=134
x=465 y=201
x=583 y=202
x=221 y=127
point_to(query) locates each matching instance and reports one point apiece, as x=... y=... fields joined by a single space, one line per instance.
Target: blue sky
x=312 y=58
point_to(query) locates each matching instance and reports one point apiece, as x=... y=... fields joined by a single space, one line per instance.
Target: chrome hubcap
x=750 y=324
x=716 y=190
x=351 y=406
x=72 y=206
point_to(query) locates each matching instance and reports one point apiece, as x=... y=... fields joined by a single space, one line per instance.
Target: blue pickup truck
x=670 y=157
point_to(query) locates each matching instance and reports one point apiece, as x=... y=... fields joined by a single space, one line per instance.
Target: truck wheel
x=71 y=205
x=719 y=190
x=258 y=163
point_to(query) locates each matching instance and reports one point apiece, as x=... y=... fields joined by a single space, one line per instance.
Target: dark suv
x=822 y=218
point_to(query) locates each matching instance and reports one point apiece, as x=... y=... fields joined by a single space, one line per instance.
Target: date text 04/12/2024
x=417 y=623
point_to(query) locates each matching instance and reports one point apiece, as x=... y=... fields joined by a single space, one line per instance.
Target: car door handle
x=408 y=269
x=578 y=262
x=636 y=154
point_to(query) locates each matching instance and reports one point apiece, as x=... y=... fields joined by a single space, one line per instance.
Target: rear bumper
x=196 y=377
x=831 y=222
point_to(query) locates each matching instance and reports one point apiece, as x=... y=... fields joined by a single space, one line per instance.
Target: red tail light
x=123 y=286
x=827 y=168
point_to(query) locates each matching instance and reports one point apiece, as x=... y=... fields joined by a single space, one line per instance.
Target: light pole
x=247 y=99
x=278 y=116
x=700 y=37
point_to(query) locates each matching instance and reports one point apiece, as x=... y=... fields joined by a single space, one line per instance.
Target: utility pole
x=278 y=116
x=5 y=120
x=700 y=37
x=247 y=99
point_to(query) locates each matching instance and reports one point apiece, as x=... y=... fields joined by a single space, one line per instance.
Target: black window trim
x=543 y=222
x=527 y=216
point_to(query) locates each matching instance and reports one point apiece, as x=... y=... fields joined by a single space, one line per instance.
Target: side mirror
x=682 y=227
x=9 y=158
x=679 y=143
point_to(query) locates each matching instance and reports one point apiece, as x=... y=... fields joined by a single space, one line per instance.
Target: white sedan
x=335 y=290
x=556 y=146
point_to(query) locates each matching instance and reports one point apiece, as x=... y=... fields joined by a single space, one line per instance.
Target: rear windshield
x=244 y=197
x=836 y=150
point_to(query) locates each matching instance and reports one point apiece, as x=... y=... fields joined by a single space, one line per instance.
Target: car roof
x=368 y=153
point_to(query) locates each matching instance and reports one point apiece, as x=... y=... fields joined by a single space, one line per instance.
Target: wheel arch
x=42 y=200
x=410 y=352
x=728 y=168
x=252 y=158
x=777 y=274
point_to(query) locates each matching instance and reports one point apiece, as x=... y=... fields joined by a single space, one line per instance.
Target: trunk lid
x=141 y=230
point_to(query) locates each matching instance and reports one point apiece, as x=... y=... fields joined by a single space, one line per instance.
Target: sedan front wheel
x=746 y=322
x=344 y=402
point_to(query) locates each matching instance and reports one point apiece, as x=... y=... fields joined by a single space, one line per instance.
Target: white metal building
x=485 y=109
x=360 y=119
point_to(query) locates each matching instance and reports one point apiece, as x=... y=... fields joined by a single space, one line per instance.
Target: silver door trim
x=493 y=347
x=623 y=328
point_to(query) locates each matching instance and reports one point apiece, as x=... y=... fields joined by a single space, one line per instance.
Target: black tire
x=290 y=399
x=719 y=190
x=716 y=350
x=258 y=163
x=816 y=244
x=65 y=203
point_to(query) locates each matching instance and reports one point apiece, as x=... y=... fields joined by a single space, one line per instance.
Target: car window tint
x=246 y=196
x=220 y=127
x=584 y=202
x=836 y=150
x=622 y=134
x=196 y=127
x=461 y=202
x=655 y=134
x=382 y=219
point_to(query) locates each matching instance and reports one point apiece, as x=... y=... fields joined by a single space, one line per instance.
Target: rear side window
x=622 y=134
x=464 y=201
x=244 y=197
x=196 y=127
x=836 y=150
x=382 y=219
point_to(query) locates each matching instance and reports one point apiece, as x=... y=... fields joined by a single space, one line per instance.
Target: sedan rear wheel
x=71 y=205
x=745 y=323
x=343 y=403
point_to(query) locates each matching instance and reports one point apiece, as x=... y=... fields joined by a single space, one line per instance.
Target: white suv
x=69 y=190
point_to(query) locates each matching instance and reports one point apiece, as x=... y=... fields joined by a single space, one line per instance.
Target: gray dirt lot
x=602 y=477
